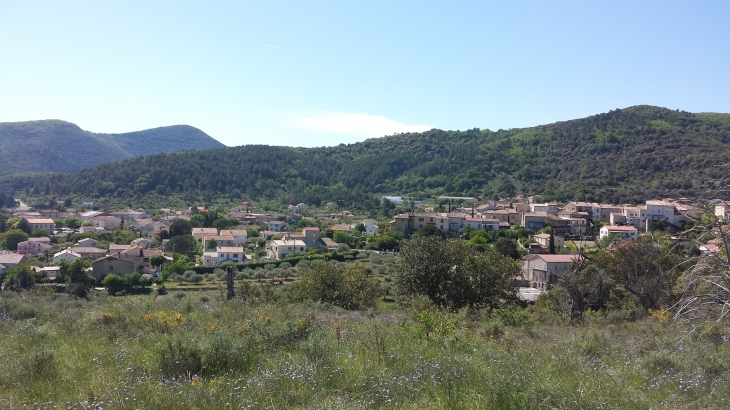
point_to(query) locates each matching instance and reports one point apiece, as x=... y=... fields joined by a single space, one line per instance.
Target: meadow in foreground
x=194 y=350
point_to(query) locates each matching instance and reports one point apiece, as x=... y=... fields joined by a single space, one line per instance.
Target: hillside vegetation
x=624 y=155
x=59 y=146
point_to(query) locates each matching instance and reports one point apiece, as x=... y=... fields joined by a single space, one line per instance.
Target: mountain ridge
x=61 y=146
x=622 y=156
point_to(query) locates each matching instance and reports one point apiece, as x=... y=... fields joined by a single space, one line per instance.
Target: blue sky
x=321 y=73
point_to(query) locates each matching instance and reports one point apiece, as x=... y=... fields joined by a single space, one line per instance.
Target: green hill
x=59 y=146
x=624 y=155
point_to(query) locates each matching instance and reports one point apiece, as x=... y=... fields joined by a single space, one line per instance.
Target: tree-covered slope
x=620 y=156
x=59 y=146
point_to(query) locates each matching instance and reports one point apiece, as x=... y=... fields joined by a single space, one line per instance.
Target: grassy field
x=194 y=350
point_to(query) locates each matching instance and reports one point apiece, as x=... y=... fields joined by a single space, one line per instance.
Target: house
x=45 y=224
x=224 y=254
x=87 y=242
x=279 y=249
x=123 y=263
x=499 y=215
x=199 y=233
x=108 y=222
x=618 y=218
x=332 y=205
x=89 y=252
x=277 y=226
x=371 y=230
x=88 y=228
x=446 y=222
x=240 y=236
x=65 y=255
x=34 y=246
x=143 y=243
x=220 y=240
x=624 y=232
x=11 y=259
x=544 y=240
x=656 y=211
x=551 y=208
x=481 y=224
x=543 y=271
x=90 y=215
x=50 y=213
x=3 y=270
x=115 y=248
x=88 y=204
x=51 y=272
x=602 y=213
x=535 y=220
x=293 y=209
x=341 y=228
x=395 y=200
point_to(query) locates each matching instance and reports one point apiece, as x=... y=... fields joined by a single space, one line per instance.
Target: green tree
x=113 y=283
x=23 y=225
x=507 y=247
x=21 y=277
x=39 y=233
x=73 y=222
x=454 y=274
x=14 y=237
x=211 y=243
x=430 y=230
x=180 y=227
x=157 y=260
x=184 y=244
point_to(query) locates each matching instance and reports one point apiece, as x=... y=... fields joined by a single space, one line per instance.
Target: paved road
x=22 y=206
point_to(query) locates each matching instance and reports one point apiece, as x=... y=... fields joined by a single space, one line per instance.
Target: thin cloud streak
x=356 y=123
x=287 y=49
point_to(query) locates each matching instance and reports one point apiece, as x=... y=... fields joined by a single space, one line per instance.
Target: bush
x=179 y=294
x=161 y=290
x=180 y=358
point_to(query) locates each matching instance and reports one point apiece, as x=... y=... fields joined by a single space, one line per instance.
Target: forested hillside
x=59 y=146
x=624 y=155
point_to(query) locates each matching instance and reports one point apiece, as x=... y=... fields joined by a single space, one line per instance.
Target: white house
x=224 y=254
x=278 y=249
x=240 y=236
x=480 y=224
x=371 y=230
x=65 y=255
x=660 y=211
x=87 y=242
x=108 y=221
x=199 y=233
x=88 y=204
x=624 y=232
x=277 y=226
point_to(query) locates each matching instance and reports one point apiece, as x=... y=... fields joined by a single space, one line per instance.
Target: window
x=111 y=268
x=420 y=219
x=431 y=220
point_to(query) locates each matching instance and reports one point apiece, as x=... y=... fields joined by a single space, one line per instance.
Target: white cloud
x=356 y=123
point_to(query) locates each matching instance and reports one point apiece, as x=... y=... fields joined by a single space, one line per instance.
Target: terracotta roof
x=613 y=228
x=230 y=249
x=559 y=258
x=40 y=221
x=88 y=250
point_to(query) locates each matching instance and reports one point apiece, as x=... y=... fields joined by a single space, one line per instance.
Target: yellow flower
x=146 y=318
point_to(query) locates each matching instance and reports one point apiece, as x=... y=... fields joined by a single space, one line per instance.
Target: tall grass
x=161 y=352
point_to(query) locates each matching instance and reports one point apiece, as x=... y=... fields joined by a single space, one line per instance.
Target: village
x=553 y=231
